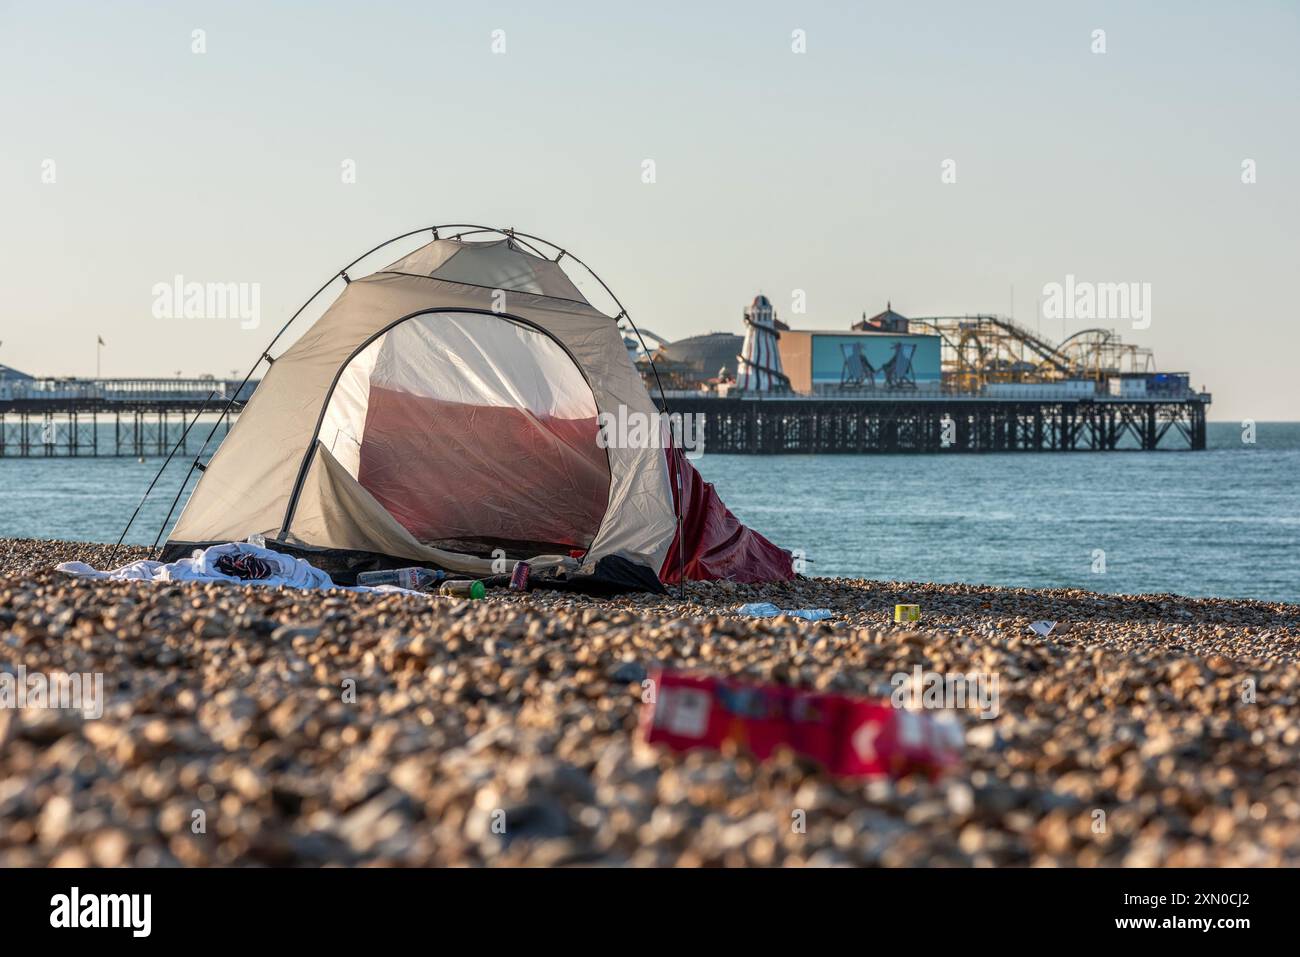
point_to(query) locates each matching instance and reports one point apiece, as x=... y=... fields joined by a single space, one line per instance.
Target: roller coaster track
x=960 y=327
x=1045 y=350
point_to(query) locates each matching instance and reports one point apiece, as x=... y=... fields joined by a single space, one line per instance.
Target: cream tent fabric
x=498 y=265
x=479 y=364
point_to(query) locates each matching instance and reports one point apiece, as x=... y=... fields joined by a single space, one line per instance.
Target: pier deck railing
x=1045 y=394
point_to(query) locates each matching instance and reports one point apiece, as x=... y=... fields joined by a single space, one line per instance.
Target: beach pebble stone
x=244 y=725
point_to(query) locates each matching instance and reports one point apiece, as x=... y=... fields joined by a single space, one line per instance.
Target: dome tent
x=445 y=411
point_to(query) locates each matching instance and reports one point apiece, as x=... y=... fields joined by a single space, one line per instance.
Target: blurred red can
x=848 y=736
x=519 y=577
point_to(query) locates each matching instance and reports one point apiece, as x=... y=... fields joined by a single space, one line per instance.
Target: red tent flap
x=713 y=543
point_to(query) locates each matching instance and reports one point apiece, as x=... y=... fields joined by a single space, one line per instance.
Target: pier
x=766 y=424
x=136 y=418
x=887 y=383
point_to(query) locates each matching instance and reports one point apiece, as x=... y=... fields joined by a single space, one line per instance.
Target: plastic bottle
x=462 y=588
x=415 y=579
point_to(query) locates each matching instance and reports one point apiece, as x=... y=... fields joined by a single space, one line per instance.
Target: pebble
x=252 y=726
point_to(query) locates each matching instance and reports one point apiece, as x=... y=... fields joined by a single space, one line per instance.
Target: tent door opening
x=476 y=432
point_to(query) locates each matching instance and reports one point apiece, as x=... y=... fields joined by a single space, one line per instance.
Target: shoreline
x=226 y=700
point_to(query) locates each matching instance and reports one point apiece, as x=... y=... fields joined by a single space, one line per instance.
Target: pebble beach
x=318 y=728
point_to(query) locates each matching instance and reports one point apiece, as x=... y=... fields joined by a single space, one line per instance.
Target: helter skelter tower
x=759 y=369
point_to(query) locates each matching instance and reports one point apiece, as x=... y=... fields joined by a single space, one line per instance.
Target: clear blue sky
x=775 y=171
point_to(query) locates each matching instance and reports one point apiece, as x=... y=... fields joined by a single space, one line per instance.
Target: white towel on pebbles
x=202 y=567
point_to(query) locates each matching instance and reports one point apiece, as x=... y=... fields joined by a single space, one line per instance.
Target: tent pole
x=179 y=442
x=266 y=354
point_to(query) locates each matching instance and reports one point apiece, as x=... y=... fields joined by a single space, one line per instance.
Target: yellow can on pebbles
x=907 y=613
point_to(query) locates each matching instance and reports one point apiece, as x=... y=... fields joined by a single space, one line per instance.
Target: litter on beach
x=765 y=609
x=239 y=563
x=848 y=736
x=907 y=613
x=1044 y=628
x=463 y=589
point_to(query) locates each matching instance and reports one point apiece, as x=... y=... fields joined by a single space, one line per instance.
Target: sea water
x=1224 y=522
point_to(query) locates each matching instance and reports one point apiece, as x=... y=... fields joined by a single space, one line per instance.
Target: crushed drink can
x=519 y=577
x=848 y=736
